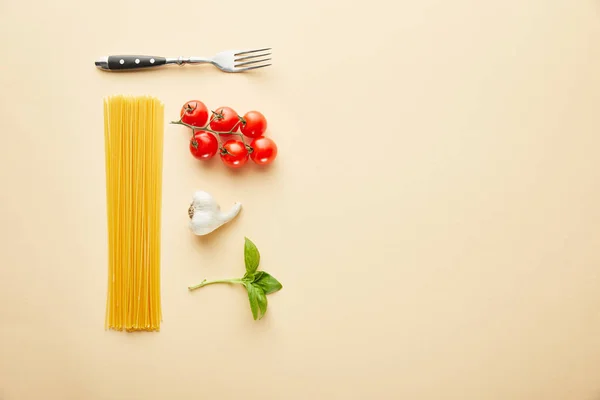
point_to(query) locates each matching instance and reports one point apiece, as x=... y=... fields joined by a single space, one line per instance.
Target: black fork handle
x=121 y=63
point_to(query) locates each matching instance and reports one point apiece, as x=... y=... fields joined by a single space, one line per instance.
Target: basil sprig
x=258 y=283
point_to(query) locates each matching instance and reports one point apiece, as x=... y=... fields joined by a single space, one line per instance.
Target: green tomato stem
x=207 y=129
x=205 y=282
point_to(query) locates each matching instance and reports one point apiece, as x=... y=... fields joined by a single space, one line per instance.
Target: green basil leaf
x=266 y=282
x=253 y=295
x=262 y=302
x=251 y=256
x=257 y=275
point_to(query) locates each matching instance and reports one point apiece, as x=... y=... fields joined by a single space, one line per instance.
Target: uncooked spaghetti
x=133 y=133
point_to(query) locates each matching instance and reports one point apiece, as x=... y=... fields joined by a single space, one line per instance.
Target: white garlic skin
x=206 y=214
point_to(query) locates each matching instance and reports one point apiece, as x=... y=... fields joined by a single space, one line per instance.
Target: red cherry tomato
x=254 y=124
x=234 y=153
x=224 y=120
x=264 y=150
x=204 y=145
x=194 y=113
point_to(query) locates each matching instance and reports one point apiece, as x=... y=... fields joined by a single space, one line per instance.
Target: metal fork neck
x=187 y=60
x=178 y=60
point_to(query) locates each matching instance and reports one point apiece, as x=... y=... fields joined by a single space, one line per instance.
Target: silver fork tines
x=252 y=59
x=255 y=67
x=240 y=60
x=252 y=56
x=252 y=62
x=241 y=52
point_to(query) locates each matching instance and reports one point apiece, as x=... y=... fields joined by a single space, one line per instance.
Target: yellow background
x=433 y=213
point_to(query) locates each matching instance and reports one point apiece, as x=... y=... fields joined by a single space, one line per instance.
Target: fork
x=228 y=61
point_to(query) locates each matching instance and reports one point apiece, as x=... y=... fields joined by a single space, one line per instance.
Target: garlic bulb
x=206 y=215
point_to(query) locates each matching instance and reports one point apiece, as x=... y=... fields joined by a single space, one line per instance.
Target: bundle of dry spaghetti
x=133 y=133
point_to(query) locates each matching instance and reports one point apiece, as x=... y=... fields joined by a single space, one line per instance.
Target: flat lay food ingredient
x=264 y=150
x=228 y=120
x=258 y=284
x=253 y=124
x=194 y=113
x=206 y=215
x=133 y=133
x=235 y=153
x=222 y=126
x=204 y=145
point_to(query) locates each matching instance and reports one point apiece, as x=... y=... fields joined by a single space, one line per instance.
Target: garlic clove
x=205 y=213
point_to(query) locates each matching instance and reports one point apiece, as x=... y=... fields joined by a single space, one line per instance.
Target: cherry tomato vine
x=206 y=139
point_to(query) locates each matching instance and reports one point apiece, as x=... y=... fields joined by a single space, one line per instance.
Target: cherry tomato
x=204 y=145
x=234 y=153
x=264 y=150
x=194 y=113
x=254 y=124
x=224 y=120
